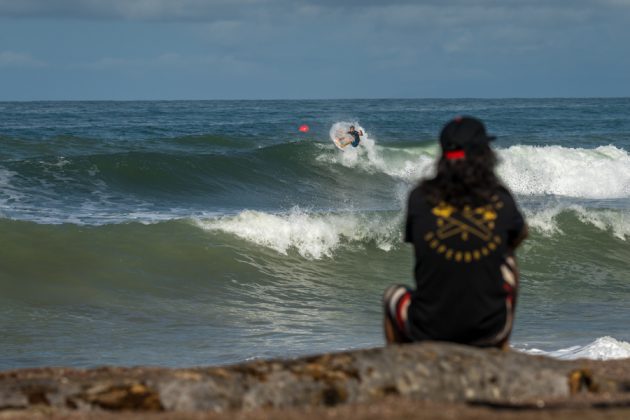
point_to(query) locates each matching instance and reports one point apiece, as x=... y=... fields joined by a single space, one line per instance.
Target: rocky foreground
x=436 y=379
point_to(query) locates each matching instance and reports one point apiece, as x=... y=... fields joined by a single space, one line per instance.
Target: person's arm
x=517 y=230
x=516 y=242
x=361 y=133
x=412 y=204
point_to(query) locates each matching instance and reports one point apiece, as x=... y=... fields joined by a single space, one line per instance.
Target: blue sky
x=298 y=49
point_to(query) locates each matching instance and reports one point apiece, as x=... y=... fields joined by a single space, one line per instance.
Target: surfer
x=356 y=135
x=464 y=226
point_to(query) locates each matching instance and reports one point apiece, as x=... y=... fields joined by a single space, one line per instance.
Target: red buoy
x=304 y=128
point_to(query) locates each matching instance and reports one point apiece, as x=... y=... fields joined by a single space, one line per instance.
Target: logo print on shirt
x=478 y=222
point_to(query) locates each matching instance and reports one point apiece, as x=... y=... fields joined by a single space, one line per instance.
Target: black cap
x=463 y=132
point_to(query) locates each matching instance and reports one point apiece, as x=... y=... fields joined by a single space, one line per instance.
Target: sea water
x=212 y=232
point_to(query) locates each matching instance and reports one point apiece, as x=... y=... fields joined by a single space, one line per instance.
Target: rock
x=437 y=372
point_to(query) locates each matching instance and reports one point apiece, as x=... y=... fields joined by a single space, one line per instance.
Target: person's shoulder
x=417 y=198
x=416 y=192
x=506 y=197
x=504 y=193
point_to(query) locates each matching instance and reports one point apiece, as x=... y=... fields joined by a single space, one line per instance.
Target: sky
x=308 y=49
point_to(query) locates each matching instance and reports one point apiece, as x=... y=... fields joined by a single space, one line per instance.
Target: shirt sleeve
x=516 y=222
x=411 y=211
x=408 y=229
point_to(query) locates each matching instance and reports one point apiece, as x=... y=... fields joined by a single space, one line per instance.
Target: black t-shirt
x=459 y=292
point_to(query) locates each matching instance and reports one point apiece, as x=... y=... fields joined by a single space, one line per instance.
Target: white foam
x=599 y=173
x=8 y=194
x=545 y=221
x=313 y=236
x=604 y=348
x=603 y=172
x=617 y=222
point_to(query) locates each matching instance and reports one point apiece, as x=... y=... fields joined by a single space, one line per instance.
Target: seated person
x=464 y=226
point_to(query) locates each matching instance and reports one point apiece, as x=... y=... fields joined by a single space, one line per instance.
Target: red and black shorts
x=396 y=300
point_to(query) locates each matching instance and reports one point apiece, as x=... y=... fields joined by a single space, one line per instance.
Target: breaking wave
x=604 y=348
x=313 y=236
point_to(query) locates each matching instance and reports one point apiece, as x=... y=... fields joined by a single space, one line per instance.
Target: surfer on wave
x=356 y=135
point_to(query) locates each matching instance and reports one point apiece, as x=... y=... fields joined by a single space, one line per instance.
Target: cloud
x=144 y=10
x=170 y=61
x=16 y=59
x=292 y=48
x=217 y=10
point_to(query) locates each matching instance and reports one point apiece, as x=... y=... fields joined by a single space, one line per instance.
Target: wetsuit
x=357 y=138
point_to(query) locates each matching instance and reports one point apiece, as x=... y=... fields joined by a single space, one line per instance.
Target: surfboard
x=341 y=135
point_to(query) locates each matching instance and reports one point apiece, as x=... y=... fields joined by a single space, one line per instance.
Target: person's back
x=464 y=226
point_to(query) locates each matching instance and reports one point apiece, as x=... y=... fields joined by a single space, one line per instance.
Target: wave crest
x=546 y=221
x=603 y=172
x=600 y=173
x=604 y=348
x=313 y=236
x=320 y=235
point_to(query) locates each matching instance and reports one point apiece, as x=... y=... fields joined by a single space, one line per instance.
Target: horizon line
x=318 y=99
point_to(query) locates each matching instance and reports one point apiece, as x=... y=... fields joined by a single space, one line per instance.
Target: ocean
x=188 y=233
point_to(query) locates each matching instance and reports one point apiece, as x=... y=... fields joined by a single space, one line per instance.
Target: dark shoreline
x=431 y=378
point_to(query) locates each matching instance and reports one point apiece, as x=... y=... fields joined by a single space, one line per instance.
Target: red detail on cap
x=303 y=128
x=454 y=154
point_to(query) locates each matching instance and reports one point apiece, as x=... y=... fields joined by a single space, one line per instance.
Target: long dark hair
x=464 y=182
